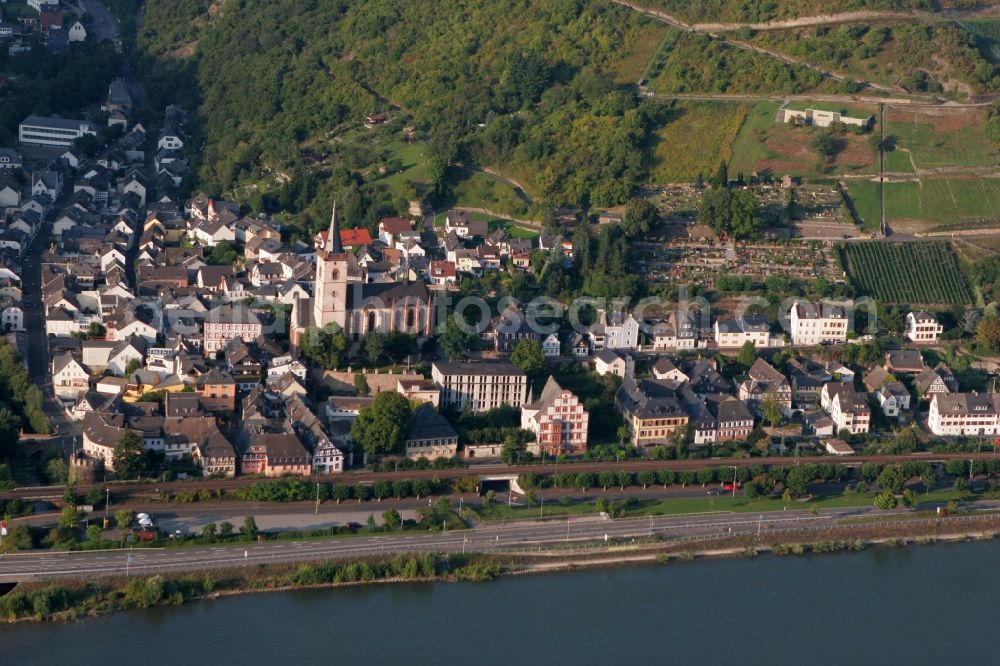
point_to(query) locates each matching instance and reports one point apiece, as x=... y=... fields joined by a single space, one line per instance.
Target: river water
x=919 y=605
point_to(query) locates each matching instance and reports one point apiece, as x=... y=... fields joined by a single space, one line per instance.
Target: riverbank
x=37 y=602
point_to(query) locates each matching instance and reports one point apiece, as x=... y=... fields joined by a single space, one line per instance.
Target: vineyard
x=914 y=273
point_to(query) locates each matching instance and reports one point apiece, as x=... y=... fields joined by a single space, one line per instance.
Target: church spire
x=333 y=245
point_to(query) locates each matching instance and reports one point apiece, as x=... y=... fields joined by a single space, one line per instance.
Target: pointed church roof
x=333 y=244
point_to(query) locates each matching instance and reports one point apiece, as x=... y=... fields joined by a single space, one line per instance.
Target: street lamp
x=734 y=480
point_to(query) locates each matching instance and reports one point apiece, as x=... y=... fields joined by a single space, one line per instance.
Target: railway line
x=146 y=489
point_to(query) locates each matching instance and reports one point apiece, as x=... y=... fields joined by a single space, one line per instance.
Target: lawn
x=698 y=136
x=944 y=137
x=898 y=161
x=709 y=504
x=474 y=189
x=865 y=197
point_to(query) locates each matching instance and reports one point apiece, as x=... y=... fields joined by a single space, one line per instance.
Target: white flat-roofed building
x=53 y=131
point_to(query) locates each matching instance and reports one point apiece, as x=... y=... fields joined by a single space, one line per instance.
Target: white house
x=77 y=33
x=551 y=346
x=608 y=361
x=922 y=328
x=734 y=333
x=812 y=325
x=968 y=414
x=615 y=331
x=69 y=377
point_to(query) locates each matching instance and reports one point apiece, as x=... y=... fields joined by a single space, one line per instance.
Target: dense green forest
x=534 y=86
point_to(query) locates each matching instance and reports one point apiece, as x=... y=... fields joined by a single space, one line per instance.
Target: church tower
x=330 y=291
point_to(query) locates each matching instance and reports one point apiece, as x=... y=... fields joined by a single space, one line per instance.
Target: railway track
x=153 y=488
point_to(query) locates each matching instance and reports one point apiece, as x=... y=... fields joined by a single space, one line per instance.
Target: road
x=105 y=26
x=482 y=538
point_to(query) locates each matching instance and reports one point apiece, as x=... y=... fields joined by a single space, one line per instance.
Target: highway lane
x=485 y=537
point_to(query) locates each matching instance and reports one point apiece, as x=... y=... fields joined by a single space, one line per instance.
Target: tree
x=892 y=479
x=93 y=532
x=56 y=471
x=455 y=341
x=401 y=488
x=772 y=410
x=382 y=427
x=340 y=492
x=584 y=480
x=956 y=467
x=747 y=355
x=885 y=501
x=360 y=384
x=422 y=488
x=132 y=366
x=730 y=212
x=223 y=253
x=706 y=475
x=226 y=529
x=374 y=347
x=646 y=478
x=391 y=519
x=870 y=471
x=70 y=517
x=640 y=216
x=123 y=519
x=528 y=356
x=325 y=346
x=988 y=333
x=490 y=500
x=623 y=479
x=605 y=480
x=381 y=490
x=250 y=527
x=208 y=532
x=127 y=455
x=514 y=450
x=721 y=178
x=797 y=481
x=666 y=477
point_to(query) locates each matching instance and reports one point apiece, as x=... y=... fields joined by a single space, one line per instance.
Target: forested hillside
x=534 y=86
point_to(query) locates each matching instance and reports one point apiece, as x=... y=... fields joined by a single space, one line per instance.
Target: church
x=341 y=297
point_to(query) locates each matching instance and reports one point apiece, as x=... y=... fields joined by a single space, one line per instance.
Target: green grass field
x=749 y=148
x=480 y=190
x=947 y=138
x=885 y=271
x=939 y=202
x=898 y=161
x=724 y=502
x=865 y=196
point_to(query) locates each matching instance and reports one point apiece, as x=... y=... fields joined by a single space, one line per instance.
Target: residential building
x=558 y=420
x=848 y=408
x=765 y=382
x=615 y=330
x=922 y=328
x=813 y=325
x=551 y=346
x=821 y=118
x=276 y=454
x=480 y=386
x=651 y=409
x=904 y=362
x=935 y=380
x=430 y=435
x=609 y=361
x=227 y=322
x=720 y=419
x=968 y=414
x=419 y=390
x=734 y=333
x=217 y=390
x=69 y=376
